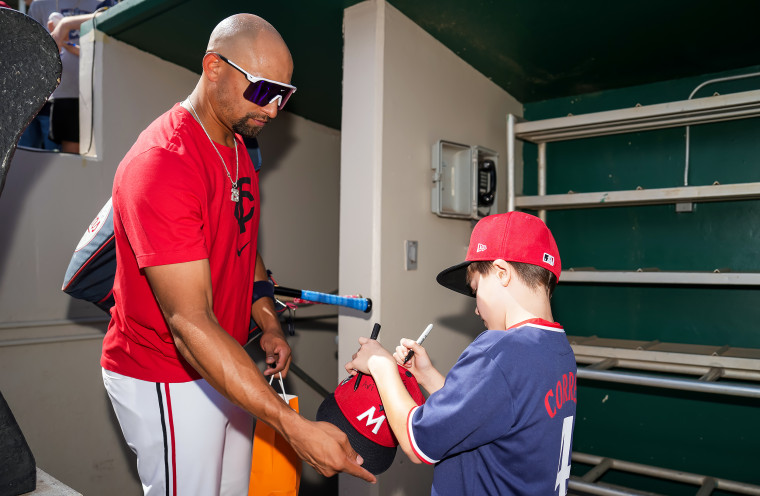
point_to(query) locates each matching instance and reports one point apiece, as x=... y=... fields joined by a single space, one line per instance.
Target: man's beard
x=244 y=129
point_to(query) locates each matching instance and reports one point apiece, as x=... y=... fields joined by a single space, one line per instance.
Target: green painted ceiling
x=536 y=50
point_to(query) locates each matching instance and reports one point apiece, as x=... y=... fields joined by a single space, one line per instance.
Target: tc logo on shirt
x=245 y=194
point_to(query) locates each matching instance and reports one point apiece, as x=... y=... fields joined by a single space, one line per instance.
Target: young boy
x=501 y=421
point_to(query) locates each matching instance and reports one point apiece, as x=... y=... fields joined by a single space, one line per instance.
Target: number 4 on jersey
x=563 y=470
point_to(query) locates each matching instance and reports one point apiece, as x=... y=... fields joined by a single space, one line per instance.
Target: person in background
x=37 y=133
x=63 y=19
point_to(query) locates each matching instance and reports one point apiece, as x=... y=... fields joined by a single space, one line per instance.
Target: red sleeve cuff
x=413 y=443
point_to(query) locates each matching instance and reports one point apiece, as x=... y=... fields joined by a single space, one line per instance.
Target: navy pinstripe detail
x=163 y=430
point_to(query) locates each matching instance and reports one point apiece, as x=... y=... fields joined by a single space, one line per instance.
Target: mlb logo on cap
x=360 y=414
x=549 y=259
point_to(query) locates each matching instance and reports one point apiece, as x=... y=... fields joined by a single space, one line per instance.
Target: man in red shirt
x=186 y=216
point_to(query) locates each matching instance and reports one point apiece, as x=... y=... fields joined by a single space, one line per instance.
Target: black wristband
x=263 y=289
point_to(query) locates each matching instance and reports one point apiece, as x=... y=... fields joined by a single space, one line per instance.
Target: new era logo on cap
x=481 y=247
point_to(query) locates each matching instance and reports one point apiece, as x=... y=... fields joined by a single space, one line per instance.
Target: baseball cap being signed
x=513 y=237
x=361 y=416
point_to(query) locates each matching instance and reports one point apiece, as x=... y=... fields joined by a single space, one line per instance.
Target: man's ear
x=211 y=66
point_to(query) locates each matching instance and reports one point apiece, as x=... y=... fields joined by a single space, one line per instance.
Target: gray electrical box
x=464 y=181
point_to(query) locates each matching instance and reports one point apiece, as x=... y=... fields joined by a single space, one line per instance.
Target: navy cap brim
x=377 y=458
x=455 y=278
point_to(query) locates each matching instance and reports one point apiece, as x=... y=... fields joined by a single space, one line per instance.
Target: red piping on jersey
x=409 y=436
x=537 y=321
x=171 y=431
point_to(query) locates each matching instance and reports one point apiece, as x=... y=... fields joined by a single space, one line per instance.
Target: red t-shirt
x=171 y=203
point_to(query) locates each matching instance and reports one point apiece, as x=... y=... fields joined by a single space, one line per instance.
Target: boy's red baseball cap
x=513 y=237
x=360 y=415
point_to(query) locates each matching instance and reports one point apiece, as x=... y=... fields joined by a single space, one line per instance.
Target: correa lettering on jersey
x=564 y=391
x=240 y=214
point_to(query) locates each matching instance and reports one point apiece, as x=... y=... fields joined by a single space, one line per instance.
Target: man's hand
x=273 y=340
x=277 y=351
x=326 y=448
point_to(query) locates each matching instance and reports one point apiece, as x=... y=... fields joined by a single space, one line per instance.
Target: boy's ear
x=503 y=271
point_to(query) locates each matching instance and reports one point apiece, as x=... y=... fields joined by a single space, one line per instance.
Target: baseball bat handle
x=363 y=304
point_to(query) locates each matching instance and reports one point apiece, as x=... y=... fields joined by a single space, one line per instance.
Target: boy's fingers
x=400 y=353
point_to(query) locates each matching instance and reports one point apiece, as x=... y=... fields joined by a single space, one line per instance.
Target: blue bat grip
x=362 y=304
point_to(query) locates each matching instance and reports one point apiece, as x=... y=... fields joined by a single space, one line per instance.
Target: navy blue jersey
x=502 y=424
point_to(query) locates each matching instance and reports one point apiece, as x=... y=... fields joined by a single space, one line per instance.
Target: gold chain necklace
x=235 y=192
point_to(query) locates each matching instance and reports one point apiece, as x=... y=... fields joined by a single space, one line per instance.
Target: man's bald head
x=241 y=35
x=248 y=43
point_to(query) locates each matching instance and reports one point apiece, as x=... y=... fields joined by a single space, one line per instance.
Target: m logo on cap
x=481 y=247
x=549 y=259
x=372 y=420
x=360 y=414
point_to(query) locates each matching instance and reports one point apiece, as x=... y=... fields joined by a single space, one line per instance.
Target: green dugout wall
x=708 y=434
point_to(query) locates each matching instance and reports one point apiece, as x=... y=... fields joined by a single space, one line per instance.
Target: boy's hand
x=369 y=350
x=419 y=363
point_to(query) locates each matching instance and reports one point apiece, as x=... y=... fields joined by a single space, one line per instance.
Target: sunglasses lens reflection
x=263 y=92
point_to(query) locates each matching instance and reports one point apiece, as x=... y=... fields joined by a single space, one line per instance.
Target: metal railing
x=589 y=483
x=710 y=365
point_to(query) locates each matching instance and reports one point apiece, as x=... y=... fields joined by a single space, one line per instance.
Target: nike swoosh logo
x=241 y=249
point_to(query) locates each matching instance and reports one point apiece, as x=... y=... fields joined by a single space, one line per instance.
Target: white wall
x=402 y=91
x=49 y=366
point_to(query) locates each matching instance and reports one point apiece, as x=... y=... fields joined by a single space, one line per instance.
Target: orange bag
x=275 y=467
